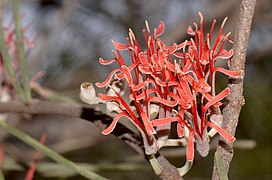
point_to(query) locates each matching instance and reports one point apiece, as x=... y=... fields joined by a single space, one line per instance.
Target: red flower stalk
x=31 y=170
x=170 y=84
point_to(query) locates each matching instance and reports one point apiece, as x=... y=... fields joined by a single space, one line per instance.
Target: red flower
x=182 y=90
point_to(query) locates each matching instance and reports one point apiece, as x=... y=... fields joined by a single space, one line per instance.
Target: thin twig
x=235 y=100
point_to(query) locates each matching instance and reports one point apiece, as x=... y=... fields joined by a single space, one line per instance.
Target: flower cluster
x=171 y=84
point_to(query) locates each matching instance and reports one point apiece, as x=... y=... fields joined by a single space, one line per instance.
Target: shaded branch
x=101 y=120
x=235 y=100
x=87 y=113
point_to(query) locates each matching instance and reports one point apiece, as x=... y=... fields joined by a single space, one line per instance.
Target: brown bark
x=235 y=100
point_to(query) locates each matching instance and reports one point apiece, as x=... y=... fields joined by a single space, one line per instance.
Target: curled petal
x=106 y=62
x=171 y=49
x=190 y=31
x=183 y=44
x=159 y=122
x=108 y=80
x=160 y=29
x=205 y=86
x=182 y=94
x=145 y=69
x=163 y=101
x=216 y=99
x=143 y=84
x=179 y=54
x=130 y=68
x=225 y=54
x=221 y=131
x=181 y=102
x=111 y=127
x=210 y=97
x=127 y=75
x=143 y=59
x=108 y=98
x=143 y=94
x=119 y=46
x=227 y=72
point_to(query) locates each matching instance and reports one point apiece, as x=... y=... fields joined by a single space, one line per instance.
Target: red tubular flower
x=178 y=79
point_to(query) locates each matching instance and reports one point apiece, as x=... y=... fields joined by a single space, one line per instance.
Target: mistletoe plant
x=168 y=84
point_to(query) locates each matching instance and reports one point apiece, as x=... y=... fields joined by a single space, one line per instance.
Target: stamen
x=201 y=17
x=196 y=26
x=193 y=43
x=224 y=21
x=227 y=35
x=208 y=42
x=147 y=26
x=184 y=46
x=131 y=37
x=132 y=34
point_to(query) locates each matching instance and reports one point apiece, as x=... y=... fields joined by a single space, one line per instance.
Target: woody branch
x=235 y=100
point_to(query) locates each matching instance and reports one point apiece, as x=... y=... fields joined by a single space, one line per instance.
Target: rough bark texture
x=235 y=100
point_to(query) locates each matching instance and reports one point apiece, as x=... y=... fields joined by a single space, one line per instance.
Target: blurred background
x=72 y=35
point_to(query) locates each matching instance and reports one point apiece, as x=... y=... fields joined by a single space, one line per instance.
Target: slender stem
x=21 y=50
x=2 y=154
x=235 y=99
x=155 y=164
x=48 y=152
x=2 y=177
x=220 y=167
x=8 y=63
x=50 y=95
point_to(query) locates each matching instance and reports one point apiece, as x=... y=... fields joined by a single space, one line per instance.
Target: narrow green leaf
x=21 y=50
x=8 y=63
x=49 y=152
x=1 y=175
x=155 y=164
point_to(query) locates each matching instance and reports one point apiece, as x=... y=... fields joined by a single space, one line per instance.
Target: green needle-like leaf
x=8 y=63
x=21 y=50
x=49 y=152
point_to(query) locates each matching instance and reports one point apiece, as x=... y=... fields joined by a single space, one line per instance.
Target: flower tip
x=232 y=139
x=201 y=17
x=147 y=26
x=119 y=46
x=99 y=85
x=160 y=29
x=224 y=21
x=106 y=132
x=190 y=31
